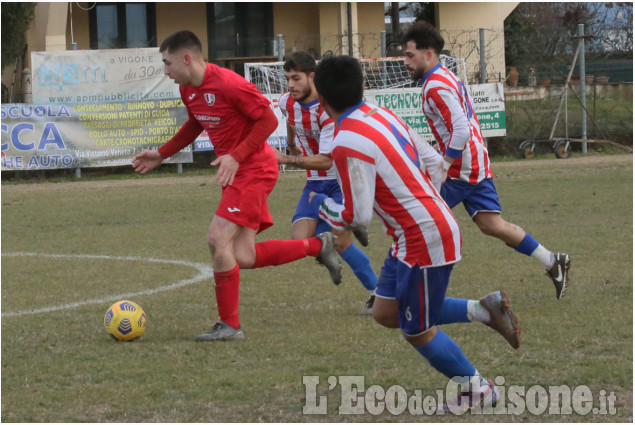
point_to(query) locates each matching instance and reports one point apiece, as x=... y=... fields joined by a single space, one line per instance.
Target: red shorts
x=245 y=201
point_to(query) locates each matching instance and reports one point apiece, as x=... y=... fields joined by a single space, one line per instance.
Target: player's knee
x=489 y=227
x=245 y=260
x=385 y=318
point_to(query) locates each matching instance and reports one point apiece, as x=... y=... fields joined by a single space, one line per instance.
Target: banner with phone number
x=489 y=105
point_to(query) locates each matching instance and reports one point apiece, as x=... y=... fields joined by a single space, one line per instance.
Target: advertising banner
x=489 y=106
x=92 y=76
x=488 y=99
x=51 y=136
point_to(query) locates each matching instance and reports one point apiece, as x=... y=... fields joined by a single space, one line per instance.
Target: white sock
x=545 y=256
x=372 y=293
x=470 y=383
x=475 y=311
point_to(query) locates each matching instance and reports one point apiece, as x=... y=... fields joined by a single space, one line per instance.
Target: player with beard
x=448 y=108
x=310 y=133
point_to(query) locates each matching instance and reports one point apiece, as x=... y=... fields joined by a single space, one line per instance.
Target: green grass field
x=94 y=239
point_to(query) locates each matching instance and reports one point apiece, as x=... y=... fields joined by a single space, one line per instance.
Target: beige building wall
x=459 y=24
x=176 y=16
x=298 y=23
x=370 y=17
x=317 y=27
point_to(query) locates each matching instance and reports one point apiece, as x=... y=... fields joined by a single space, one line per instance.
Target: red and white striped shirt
x=448 y=108
x=379 y=169
x=314 y=131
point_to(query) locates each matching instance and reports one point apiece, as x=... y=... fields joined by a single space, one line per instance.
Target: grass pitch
x=95 y=240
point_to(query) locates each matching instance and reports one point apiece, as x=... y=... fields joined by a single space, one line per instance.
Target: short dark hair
x=339 y=80
x=300 y=61
x=181 y=40
x=425 y=36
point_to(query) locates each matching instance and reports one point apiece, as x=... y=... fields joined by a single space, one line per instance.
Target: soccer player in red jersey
x=448 y=108
x=379 y=168
x=238 y=120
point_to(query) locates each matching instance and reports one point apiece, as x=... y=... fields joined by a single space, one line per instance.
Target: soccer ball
x=125 y=321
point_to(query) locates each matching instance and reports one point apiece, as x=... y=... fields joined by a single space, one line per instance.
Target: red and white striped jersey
x=448 y=108
x=314 y=131
x=379 y=169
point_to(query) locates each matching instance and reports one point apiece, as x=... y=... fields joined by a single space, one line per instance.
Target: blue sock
x=446 y=356
x=527 y=245
x=454 y=310
x=359 y=262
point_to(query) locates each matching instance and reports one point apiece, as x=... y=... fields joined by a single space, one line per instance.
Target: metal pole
x=482 y=63
x=582 y=86
x=349 y=22
x=280 y=48
x=382 y=37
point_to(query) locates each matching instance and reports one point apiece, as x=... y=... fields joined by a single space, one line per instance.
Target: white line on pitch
x=204 y=272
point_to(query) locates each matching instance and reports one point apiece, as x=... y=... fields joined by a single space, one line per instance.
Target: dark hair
x=425 y=36
x=340 y=81
x=300 y=61
x=181 y=40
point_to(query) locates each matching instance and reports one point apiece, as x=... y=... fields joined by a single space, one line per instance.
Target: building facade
x=235 y=33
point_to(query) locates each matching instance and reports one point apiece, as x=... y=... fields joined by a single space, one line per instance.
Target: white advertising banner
x=489 y=106
x=91 y=76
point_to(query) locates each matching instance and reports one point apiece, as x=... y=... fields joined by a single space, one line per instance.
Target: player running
x=313 y=130
x=238 y=120
x=448 y=108
x=379 y=169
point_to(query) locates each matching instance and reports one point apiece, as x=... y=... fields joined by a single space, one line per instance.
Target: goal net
x=387 y=83
x=382 y=73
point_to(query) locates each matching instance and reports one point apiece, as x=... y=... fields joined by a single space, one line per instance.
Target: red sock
x=275 y=253
x=227 y=291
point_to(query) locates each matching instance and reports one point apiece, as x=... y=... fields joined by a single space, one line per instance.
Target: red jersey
x=226 y=106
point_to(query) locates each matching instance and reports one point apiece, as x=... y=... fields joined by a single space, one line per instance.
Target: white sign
x=94 y=76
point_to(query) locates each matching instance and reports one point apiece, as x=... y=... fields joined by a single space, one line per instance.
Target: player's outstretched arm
x=146 y=161
x=311 y=162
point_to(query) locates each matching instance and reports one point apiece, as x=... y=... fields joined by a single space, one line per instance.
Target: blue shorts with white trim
x=419 y=291
x=480 y=197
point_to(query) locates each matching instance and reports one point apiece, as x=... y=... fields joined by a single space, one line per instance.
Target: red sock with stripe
x=227 y=294
x=277 y=252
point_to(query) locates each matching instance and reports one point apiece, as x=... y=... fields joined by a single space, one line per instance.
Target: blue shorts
x=480 y=197
x=419 y=291
x=331 y=188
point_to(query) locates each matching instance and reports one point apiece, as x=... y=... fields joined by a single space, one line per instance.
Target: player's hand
x=295 y=150
x=146 y=161
x=227 y=168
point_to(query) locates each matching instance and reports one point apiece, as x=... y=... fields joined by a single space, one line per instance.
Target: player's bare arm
x=311 y=162
x=293 y=148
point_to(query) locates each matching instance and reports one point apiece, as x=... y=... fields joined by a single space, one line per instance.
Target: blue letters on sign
x=50 y=135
